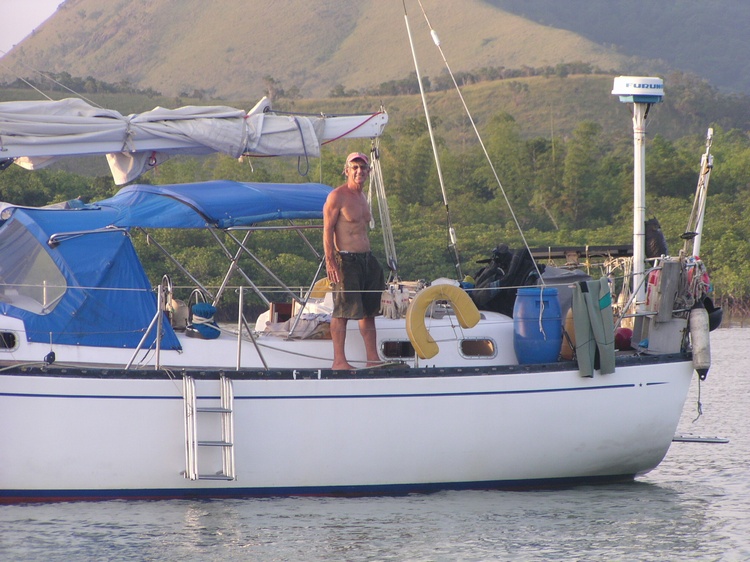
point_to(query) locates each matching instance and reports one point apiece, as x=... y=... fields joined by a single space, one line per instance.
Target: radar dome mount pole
x=642 y=92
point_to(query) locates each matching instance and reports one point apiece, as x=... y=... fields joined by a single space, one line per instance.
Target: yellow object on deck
x=466 y=312
x=321 y=287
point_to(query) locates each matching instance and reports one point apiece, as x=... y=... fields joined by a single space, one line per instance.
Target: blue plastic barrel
x=535 y=343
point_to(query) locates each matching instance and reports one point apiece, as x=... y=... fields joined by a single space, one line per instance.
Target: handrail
x=56 y=238
x=157 y=319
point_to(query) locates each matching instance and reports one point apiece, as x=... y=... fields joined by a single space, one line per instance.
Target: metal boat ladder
x=225 y=414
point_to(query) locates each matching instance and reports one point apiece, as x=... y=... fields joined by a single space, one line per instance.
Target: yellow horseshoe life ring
x=321 y=287
x=466 y=312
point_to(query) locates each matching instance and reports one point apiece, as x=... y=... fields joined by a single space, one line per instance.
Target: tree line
x=410 y=85
x=572 y=190
x=65 y=82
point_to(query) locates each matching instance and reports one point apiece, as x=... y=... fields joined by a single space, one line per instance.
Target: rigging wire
x=377 y=184
x=46 y=77
x=451 y=230
x=29 y=84
x=436 y=40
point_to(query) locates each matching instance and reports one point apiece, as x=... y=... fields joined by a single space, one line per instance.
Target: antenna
x=642 y=92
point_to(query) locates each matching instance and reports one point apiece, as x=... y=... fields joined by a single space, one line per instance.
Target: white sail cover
x=36 y=133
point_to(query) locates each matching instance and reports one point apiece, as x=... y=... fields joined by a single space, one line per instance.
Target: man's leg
x=367 y=329
x=338 y=335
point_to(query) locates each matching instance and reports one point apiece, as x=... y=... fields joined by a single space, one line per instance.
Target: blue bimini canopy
x=219 y=204
x=73 y=276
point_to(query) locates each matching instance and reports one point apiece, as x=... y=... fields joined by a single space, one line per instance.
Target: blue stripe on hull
x=329 y=396
x=37 y=496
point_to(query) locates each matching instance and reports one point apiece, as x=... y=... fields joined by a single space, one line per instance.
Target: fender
x=466 y=311
x=698 y=325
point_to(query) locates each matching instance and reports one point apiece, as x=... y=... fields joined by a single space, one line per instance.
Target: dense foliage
x=64 y=82
x=563 y=191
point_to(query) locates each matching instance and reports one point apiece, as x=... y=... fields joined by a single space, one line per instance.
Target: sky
x=19 y=17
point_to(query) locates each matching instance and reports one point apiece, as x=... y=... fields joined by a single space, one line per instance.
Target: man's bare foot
x=343 y=366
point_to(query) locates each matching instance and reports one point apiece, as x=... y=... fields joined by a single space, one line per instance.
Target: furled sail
x=33 y=134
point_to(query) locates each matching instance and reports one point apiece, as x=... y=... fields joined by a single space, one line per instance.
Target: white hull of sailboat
x=89 y=435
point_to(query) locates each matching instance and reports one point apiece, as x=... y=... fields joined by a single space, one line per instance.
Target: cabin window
x=397 y=349
x=29 y=279
x=479 y=347
x=8 y=341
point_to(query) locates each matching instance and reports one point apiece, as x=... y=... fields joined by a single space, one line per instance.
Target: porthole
x=8 y=341
x=479 y=347
x=397 y=349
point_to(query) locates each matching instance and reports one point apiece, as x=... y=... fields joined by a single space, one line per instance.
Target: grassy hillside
x=227 y=48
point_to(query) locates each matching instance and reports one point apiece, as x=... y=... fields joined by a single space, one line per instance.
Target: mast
x=642 y=93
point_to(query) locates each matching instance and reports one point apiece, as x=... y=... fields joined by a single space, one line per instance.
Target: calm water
x=695 y=505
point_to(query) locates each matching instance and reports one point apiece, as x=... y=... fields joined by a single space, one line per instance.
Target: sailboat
x=110 y=387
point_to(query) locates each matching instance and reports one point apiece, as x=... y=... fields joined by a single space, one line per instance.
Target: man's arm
x=331 y=211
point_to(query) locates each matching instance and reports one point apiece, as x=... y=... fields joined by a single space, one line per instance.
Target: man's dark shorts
x=358 y=293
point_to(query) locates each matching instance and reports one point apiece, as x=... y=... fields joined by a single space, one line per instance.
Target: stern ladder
x=225 y=442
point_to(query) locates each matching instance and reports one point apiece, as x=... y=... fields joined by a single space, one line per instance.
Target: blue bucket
x=532 y=343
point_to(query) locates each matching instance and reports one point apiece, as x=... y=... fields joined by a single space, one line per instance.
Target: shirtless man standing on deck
x=356 y=274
